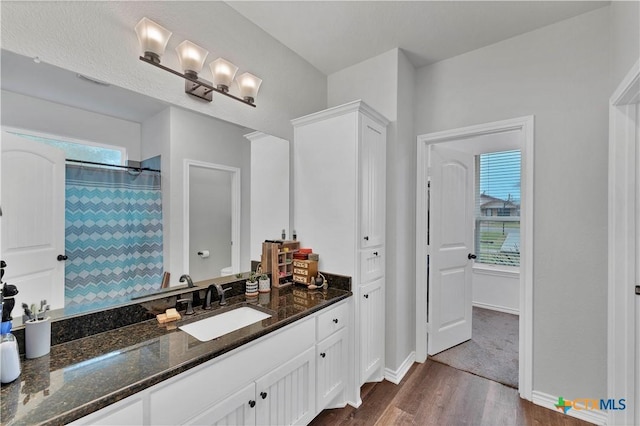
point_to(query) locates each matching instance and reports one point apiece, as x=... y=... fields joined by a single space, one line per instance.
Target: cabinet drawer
x=300 y=264
x=299 y=271
x=301 y=279
x=371 y=264
x=333 y=320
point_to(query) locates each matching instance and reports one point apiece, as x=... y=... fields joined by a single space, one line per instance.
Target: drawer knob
x=335 y=320
x=366 y=238
x=366 y=296
x=263 y=395
x=252 y=403
x=323 y=354
x=375 y=253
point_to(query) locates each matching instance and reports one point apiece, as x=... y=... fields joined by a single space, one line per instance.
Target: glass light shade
x=191 y=57
x=223 y=73
x=249 y=85
x=153 y=39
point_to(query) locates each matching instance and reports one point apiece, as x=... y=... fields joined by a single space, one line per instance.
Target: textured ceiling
x=333 y=35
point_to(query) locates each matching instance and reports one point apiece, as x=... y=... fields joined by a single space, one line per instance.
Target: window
x=79 y=150
x=497 y=229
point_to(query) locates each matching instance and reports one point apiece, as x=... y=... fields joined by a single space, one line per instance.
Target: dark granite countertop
x=87 y=374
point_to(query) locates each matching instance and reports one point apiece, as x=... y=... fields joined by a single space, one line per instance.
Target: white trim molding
x=496 y=308
x=235 y=210
x=623 y=225
x=525 y=127
x=396 y=376
x=548 y=401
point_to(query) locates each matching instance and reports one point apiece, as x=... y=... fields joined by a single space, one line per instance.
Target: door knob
x=366 y=238
x=366 y=296
x=62 y=257
x=252 y=403
x=471 y=256
x=323 y=354
x=263 y=395
x=335 y=320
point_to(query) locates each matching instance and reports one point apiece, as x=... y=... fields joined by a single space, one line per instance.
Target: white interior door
x=33 y=176
x=451 y=241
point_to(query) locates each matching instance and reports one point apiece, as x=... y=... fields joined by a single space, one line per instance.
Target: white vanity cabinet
x=278 y=379
x=371 y=337
x=331 y=354
x=129 y=411
x=339 y=210
x=282 y=397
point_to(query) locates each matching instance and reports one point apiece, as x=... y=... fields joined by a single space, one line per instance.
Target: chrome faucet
x=189 y=281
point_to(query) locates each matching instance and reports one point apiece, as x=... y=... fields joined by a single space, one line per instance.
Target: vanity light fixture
x=153 y=39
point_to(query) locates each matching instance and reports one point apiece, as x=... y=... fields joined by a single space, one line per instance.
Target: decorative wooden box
x=304 y=271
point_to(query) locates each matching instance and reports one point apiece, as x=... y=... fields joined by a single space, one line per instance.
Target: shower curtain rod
x=93 y=163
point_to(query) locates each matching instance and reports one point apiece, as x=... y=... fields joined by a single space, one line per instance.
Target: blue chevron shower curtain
x=113 y=236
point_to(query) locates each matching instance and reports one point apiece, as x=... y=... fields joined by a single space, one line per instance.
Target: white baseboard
x=396 y=376
x=496 y=308
x=593 y=416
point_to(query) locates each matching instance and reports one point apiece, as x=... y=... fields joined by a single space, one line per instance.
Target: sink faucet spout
x=189 y=281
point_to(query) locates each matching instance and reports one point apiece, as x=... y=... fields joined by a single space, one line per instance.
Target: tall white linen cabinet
x=339 y=171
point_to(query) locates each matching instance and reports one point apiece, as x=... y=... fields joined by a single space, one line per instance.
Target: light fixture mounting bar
x=198 y=87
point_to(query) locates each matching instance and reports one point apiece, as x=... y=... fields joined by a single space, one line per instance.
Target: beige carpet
x=492 y=352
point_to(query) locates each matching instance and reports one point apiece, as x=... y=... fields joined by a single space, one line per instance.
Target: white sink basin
x=221 y=324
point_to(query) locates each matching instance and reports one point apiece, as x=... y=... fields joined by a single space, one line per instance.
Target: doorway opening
x=453 y=150
x=212 y=219
x=492 y=350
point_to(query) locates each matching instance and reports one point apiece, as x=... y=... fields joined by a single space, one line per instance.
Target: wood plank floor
x=436 y=394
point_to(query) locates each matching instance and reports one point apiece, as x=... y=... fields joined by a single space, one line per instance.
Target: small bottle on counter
x=9 y=355
x=295 y=235
x=284 y=235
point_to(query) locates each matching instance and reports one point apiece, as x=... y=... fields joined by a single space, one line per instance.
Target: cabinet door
x=371 y=264
x=129 y=411
x=237 y=409
x=331 y=356
x=372 y=182
x=286 y=396
x=371 y=331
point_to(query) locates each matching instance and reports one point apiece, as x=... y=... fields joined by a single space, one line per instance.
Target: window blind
x=498 y=208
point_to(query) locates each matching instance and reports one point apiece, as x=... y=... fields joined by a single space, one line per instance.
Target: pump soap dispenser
x=9 y=354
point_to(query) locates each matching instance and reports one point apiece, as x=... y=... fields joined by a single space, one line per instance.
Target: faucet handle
x=189 y=310
x=223 y=300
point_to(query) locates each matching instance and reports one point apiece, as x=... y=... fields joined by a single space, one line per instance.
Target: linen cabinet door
x=238 y=409
x=372 y=164
x=371 y=331
x=286 y=396
x=332 y=360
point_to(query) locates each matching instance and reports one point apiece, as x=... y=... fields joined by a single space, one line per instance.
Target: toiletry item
x=9 y=354
x=27 y=312
x=295 y=235
x=37 y=337
x=284 y=235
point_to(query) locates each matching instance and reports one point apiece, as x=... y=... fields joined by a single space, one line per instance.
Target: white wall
x=386 y=83
x=97 y=39
x=270 y=157
x=35 y=114
x=177 y=134
x=625 y=39
x=499 y=291
x=560 y=74
x=156 y=141
x=197 y=137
